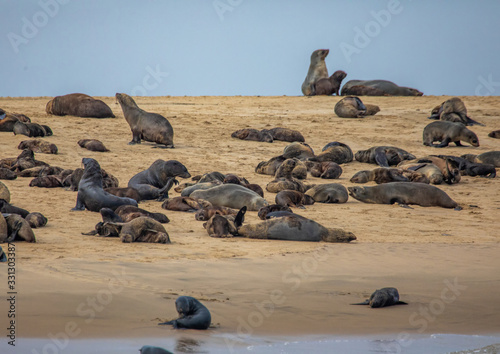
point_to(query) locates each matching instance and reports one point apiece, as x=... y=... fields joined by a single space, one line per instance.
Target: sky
x=244 y=47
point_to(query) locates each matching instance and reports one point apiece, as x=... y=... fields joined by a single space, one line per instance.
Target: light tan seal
x=353 y=107
x=317 y=70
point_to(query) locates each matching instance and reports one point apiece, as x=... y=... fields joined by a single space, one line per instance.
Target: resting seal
x=328 y=193
x=383 y=297
x=253 y=134
x=494 y=134
x=4 y=192
x=36 y=220
x=326 y=170
x=5 y=173
x=453 y=110
x=317 y=70
x=403 y=193
x=448 y=132
x=182 y=204
x=91 y=195
x=490 y=157
x=301 y=151
x=285 y=134
x=270 y=167
x=130 y=212
x=329 y=86
x=379 y=175
x=186 y=192
x=353 y=107
x=382 y=88
x=292 y=198
x=156 y=181
x=231 y=196
x=293 y=227
x=283 y=178
x=29 y=129
x=18 y=229
x=145 y=125
x=206 y=213
x=264 y=211
x=334 y=152
x=127 y=192
x=383 y=156
x=225 y=226
x=46 y=182
x=79 y=105
x=148 y=349
x=192 y=314
x=92 y=145
x=38 y=145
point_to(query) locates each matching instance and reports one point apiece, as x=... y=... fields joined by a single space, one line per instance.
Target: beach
x=444 y=262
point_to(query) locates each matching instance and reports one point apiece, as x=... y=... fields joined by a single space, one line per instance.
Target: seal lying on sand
x=38 y=145
x=4 y=192
x=298 y=150
x=268 y=209
x=328 y=193
x=127 y=192
x=231 y=196
x=225 y=225
x=326 y=169
x=80 y=105
x=453 y=110
x=489 y=157
x=317 y=70
x=292 y=227
x=494 y=134
x=5 y=173
x=36 y=220
x=383 y=297
x=206 y=213
x=92 y=145
x=253 y=135
x=156 y=181
x=270 y=167
x=283 y=178
x=183 y=204
x=329 y=86
x=448 y=132
x=379 y=175
x=91 y=195
x=29 y=129
x=403 y=193
x=293 y=199
x=334 y=152
x=18 y=229
x=192 y=314
x=353 y=107
x=148 y=349
x=383 y=156
x=382 y=87
x=285 y=134
x=145 y=125
x=72 y=180
x=472 y=169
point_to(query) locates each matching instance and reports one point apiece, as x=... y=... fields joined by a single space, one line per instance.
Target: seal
x=292 y=227
x=253 y=135
x=264 y=211
x=329 y=86
x=148 y=349
x=285 y=134
x=145 y=125
x=403 y=193
x=328 y=193
x=186 y=192
x=92 y=145
x=5 y=173
x=210 y=177
x=270 y=167
x=379 y=175
x=448 y=132
x=7 y=208
x=79 y=105
x=72 y=179
x=301 y=151
x=317 y=70
x=192 y=314
x=221 y=226
x=19 y=229
x=40 y=171
x=326 y=169
x=206 y=213
x=8 y=233
x=495 y=134
x=127 y=192
x=91 y=195
x=383 y=297
x=334 y=152
x=360 y=90
x=453 y=110
x=489 y=157
x=36 y=220
x=430 y=171
x=383 y=87
x=283 y=178
x=28 y=129
x=7 y=120
x=384 y=156
x=38 y=145
x=472 y=169
x=293 y=198
x=353 y=107
x=129 y=212
x=231 y=196
x=182 y=204
x=156 y=181
x=26 y=160
x=141 y=229
x=46 y=182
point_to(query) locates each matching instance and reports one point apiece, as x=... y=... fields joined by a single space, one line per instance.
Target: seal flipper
x=380 y=158
x=172 y=323
x=79 y=205
x=164 y=191
x=366 y=302
x=240 y=217
x=13 y=235
x=401 y=303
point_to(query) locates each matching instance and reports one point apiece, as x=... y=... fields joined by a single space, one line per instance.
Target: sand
x=443 y=261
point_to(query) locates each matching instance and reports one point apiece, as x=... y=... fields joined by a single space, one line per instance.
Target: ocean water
x=227 y=343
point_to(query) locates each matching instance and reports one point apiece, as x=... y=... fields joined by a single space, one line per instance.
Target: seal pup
x=92 y=145
x=7 y=208
x=130 y=212
x=383 y=297
x=353 y=107
x=148 y=349
x=145 y=125
x=403 y=193
x=472 y=169
x=285 y=134
x=271 y=166
x=494 y=134
x=379 y=175
x=127 y=192
x=225 y=225
x=283 y=178
x=46 y=182
x=326 y=169
x=231 y=196
x=382 y=87
x=182 y=204
x=329 y=86
x=489 y=157
x=384 y=156
x=293 y=198
x=448 y=132
x=156 y=181
x=335 y=152
x=28 y=129
x=192 y=314
x=430 y=171
x=292 y=227
x=73 y=179
x=79 y=105
x=36 y=220
x=328 y=193
x=18 y=229
x=264 y=211
x=298 y=150
x=7 y=174
x=317 y=70
x=453 y=110
x=91 y=195
x=253 y=135
x=38 y=145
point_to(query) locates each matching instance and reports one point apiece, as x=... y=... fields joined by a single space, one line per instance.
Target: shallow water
x=226 y=343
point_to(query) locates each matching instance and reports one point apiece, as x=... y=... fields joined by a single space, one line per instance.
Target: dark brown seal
x=383 y=297
x=38 y=145
x=92 y=145
x=383 y=156
x=182 y=204
x=6 y=207
x=206 y=213
x=353 y=107
x=4 y=193
x=403 y=193
x=79 y=105
x=283 y=178
x=130 y=212
x=26 y=160
x=40 y=171
x=36 y=220
x=285 y=134
x=334 y=152
x=262 y=214
x=19 y=229
x=143 y=229
x=46 y=182
x=231 y=196
x=329 y=86
x=253 y=135
x=489 y=157
x=293 y=199
x=382 y=86
x=145 y=125
x=379 y=175
x=495 y=134
x=326 y=170
x=127 y=192
x=270 y=167
x=73 y=179
x=29 y=129
x=317 y=70
x=6 y=173
x=453 y=110
x=225 y=225
x=301 y=151
x=360 y=90
x=448 y=132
